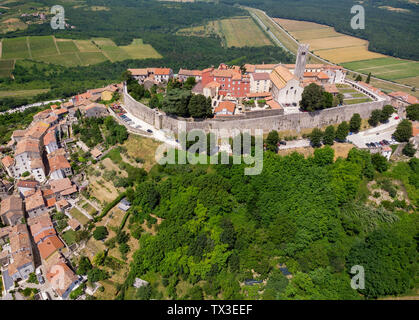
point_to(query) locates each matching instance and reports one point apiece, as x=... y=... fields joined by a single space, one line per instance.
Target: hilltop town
x=46 y=165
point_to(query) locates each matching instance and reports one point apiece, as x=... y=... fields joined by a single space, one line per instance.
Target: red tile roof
x=7 y=161
x=49 y=246
x=228 y=105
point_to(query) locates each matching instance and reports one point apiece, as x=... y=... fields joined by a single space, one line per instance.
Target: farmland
x=68 y=52
x=327 y=43
x=403 y=71
x=240 y=32
x=234 y=32
x=352 y=53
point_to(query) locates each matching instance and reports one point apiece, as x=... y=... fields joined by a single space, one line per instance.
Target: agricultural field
x=325 y=42
x=68 y=52
x=243 y=31
x=6 y=68
x=402 y=71
x=353 y=54
x=234 y=32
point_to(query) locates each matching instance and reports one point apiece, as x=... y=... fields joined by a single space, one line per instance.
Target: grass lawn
x=69 y=237
x=354 y=101
x=86 y=206
x=79 y=216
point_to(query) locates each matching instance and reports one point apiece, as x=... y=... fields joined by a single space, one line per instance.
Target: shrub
x=100 y=233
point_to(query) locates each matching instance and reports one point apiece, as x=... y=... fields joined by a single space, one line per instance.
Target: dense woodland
x=310 y=214
x=389 y=32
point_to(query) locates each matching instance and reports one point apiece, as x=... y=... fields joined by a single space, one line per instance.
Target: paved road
x=295 y=144
x=23 y=108
x=159 y=135
x=377 y=134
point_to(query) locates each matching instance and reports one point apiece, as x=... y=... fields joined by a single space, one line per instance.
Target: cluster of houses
x=41 y=169
x=278 y=86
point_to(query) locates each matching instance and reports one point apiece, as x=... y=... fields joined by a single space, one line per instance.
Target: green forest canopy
x=310 y=214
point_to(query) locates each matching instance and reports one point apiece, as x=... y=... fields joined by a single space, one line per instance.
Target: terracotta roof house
x=49 y=246
x=62 y=205
x=74 y=224
x=8 y=164
x=331 y=88
x=38 y=130
x=41 y=227
x=25 y=185
x=399 y=99
x=11 y=210
x=59 y=167
x=18 y=135
x=35 y=204
x=21 y=252
x=96 y=110
x=63 y=280
x=60 y=112
x=60 y=185
x=63 y=188
x=96 y=153
x=225 y=108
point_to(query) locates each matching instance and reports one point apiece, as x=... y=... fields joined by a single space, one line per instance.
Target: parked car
x=283 y=143
x=41 y=279
x=396 y=118
x=149 y=131
x=45 y=295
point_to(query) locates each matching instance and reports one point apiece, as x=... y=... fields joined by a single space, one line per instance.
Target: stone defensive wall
x=266 y=120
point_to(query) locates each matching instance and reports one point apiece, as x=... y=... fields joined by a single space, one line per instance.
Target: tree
x=99 y=258
x=316 y=137
x=404 y=131
x=312 y=98
x=368 y=78
x=199 y=106
x=412 y=112
x=409 y=150
x=358 y=78
x=342 y=131
x=272 y=141
x=374 y=118
x=100 y=233
x=84 y=265
x=327 y=100
x=189 y=83
x=386 y=113
x=324 y=156
x=96 y=274
x=389 y=258
x=355 y=123
x=329 y=136
x=379 y=162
